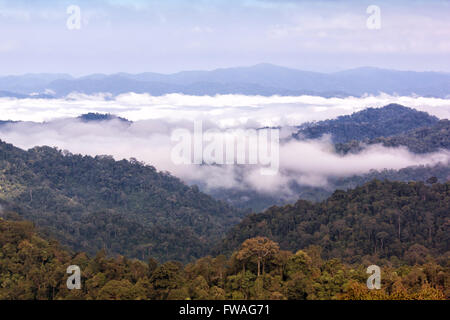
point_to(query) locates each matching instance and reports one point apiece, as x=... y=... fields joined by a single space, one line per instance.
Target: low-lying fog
x=148 y=138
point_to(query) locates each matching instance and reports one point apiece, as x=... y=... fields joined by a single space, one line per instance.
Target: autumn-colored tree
x=260 y=247
x=34 y=268
x=118 y=290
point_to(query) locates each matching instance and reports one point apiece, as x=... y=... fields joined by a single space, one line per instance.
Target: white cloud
x=7 y=46
x=148 y=138
x=223 y=110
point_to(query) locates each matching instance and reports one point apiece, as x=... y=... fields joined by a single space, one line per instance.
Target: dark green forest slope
x=370 y=123
x=420 y=140
x=379 y=220
x=123 y=206
x=92 y=203
x=33 y=267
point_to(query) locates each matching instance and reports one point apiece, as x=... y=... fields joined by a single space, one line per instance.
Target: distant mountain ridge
x=99 y=117
x=261 y=79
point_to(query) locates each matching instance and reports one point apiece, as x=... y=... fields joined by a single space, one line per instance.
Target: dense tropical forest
x=34 y=268
x=379 y=221
x=420 y=140
x=370 y=123
x=125 y=207
x=303 y=251
x=137 y=233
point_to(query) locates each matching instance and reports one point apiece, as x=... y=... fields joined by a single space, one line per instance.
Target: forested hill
x=122 y=206
x=419 y=140
x=99 y=117
x=381 y=220
x=370 y=123
x=391 y=126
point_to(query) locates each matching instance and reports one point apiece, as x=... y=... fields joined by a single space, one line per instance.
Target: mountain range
x=261 y=79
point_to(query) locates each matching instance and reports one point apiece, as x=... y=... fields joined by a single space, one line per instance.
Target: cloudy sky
x=173 y=35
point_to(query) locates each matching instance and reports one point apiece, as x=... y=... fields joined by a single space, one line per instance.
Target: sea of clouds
x=52 y=122
x=224 y=110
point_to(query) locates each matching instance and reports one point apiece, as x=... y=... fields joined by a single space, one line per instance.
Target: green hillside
x=377 y=221
x=123 y=206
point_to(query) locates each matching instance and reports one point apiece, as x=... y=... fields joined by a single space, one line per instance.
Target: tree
x=166 y=278
x=260 y=247
x=300 y=262
x=432 y=180
x=117 y=290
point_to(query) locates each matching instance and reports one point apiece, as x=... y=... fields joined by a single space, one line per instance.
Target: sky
x=174 y=35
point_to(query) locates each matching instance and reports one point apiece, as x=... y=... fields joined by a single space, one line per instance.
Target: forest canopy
x=34 y=268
